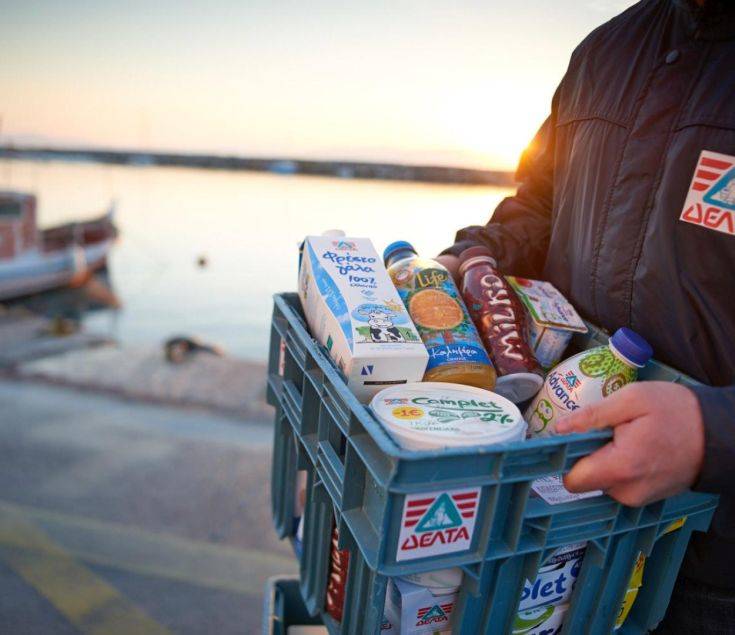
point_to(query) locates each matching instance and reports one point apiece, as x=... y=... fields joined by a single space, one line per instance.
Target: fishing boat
x=34 y=260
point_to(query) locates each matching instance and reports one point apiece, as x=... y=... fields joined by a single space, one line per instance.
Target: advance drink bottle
x=585 y=378
x=456 y=353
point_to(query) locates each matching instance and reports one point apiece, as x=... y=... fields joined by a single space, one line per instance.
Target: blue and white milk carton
x=354 y=310
x=422 y=603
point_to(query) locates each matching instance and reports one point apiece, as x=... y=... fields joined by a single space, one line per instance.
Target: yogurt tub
x=518 y=387
x=434 y=415
x=440 y=582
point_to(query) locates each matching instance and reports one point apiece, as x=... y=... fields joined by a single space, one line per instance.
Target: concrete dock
x=124 y=517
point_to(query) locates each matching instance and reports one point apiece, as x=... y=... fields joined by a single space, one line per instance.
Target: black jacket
x=603 y=186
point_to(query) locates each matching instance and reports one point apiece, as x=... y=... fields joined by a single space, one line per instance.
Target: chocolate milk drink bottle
x=585 y=378
x=500 y=319
x=456 y=353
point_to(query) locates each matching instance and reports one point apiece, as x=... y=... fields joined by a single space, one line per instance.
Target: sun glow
x=462 y=84
x=493 y=124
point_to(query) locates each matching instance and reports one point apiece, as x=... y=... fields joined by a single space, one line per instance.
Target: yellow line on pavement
x=87 y=601
x=145 y=552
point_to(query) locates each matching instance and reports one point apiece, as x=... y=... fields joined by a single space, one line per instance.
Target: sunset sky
x=446 y=82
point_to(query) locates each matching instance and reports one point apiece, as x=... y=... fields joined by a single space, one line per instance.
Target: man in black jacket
x=627 y=205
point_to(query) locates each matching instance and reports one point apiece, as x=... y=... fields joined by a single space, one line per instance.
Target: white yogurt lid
x=518 y=387
x=441 y=582
x=431 y=415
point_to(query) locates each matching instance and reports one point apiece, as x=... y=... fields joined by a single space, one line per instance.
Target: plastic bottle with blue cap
x=456 y=352
x=586 y=378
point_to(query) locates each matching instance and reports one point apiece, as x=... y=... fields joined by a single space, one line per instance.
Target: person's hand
x=657 y=448
x=451 y=263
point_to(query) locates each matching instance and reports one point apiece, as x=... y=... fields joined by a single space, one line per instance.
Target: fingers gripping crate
x=378 y=494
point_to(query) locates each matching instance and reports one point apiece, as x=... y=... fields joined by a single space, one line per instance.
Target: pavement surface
x=25 y=336
x=228 y=385
x=124 y=517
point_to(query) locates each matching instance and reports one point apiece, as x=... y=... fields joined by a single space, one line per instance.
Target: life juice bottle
x=585 y=378
x=456 y=353
x=501 y=321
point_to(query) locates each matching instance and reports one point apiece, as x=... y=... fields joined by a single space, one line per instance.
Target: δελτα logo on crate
x=436 y=523
x=437 y=614
x=710 y=201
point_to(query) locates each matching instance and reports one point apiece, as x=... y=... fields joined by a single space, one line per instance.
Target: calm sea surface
x=248 y=226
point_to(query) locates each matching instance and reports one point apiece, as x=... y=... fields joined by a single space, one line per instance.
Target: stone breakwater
x=276 y=165
x=30 y=351
x=223 y=384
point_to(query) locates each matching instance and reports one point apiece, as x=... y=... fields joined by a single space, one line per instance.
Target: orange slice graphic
x=436 y=310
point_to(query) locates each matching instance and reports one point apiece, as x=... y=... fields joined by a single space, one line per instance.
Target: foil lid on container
x=433 y=415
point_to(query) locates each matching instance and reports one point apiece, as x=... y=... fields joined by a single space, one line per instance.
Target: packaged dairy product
x=440 y=582
x=354 y=310
x=634 y=585
x=543 y=620
x=586 y=378
x=413 y=609
x=500 y=319
x=626 y=606
x=636 y=578
x=299 y=536
x=456 y=353
x=331 y=233
x=552 y=319
x=555 y=580
x=432 y=415
x=339 y=562
x=676 y=524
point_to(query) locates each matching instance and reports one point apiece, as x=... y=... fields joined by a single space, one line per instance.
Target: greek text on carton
x=353 y=309
x=435 y=523
x=415 y=610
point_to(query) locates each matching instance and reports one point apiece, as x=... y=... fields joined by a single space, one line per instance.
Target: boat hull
x=42 y=271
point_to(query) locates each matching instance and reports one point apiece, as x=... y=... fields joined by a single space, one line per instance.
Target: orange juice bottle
x=456 y=352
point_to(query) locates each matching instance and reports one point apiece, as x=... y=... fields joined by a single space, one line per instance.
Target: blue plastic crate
x=283 y=606
x=361 y=480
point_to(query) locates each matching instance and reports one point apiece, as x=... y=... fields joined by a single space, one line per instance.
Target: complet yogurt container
x=434 y=415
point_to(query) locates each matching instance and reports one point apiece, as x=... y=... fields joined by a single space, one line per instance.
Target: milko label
x=437 y=522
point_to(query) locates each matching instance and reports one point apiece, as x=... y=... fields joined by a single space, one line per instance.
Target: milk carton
x=552 y=319
x=423 y=604
x=354 y=310
x=555 y=580
x=543 y=620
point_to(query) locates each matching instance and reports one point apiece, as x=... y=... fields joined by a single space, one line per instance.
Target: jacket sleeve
x=718 y=413
x=518 y=232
